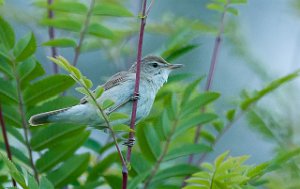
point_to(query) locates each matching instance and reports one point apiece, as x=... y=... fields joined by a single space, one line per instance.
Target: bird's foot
x=135 y=96
x=129 y=142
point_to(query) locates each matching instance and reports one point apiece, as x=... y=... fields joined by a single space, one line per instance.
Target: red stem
x=51 y=33
x=136 y=88
x=6 y=142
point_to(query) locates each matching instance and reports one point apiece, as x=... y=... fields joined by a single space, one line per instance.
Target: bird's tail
x=43 y=118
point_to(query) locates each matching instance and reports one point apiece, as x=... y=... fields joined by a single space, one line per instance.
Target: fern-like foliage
x=226 y=173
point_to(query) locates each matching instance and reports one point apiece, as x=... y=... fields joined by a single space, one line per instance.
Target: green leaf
x=9 y=113
x=82 y=90
x=238 y=1
x=61 y=152
x=165 y=125
x=111 y=9
x=269 y=88
x=100 y=31
x=16 y=133
x=139 y=164
x=5 y=67
x=175 y=171
x=113 y=181
x=47 y=88
x=61 y=42
x=137 y=179
x=189 y=90
x=208 y=136
x=7 y=35
x=117 y=116
x=32 y=184
x=88 y=83
x=232 y=11
x=17 y=154
x=70 y=170
x=121 y=128
x=29 y=70
x=107 y=103
x=176 y=53
x=69 y=6
x=220 y=159
x=25 y=47
x=256 y=122
x=14 y=172
x=93 y=145
x=152 y=140
x=8 y=93
x=230 y=115
x=198 y=102
x=102 y=166
x=144 y=144
x=45 y=183
x=194 y=121
x=215 y=6
x=186 y=150
x=53 y=134
x=63 y=23
x=98 y=91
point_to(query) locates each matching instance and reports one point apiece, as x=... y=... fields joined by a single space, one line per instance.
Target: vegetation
x=172 y=142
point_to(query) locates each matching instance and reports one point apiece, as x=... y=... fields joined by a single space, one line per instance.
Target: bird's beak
x=174 y=66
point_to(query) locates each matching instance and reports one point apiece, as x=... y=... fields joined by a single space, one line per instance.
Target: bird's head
x=155 y=66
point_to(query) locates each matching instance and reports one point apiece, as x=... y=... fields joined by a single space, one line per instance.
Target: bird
x=119 y=88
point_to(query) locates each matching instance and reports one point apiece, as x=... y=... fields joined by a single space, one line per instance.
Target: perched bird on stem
x=119 y=88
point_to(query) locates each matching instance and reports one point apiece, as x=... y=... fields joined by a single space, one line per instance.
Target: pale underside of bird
x=120 y=89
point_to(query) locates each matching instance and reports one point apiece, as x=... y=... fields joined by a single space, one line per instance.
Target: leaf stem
x=143 y=17
x=51 y=33
x=6 y=142
x=161 y=157
x=24 y=123
x=83 y=32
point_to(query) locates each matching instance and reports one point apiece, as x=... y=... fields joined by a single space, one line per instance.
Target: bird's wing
x=112 y=82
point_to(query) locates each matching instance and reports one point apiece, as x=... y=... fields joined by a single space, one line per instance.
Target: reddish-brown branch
x=212 y=69
x=6 y=142
x=136 y=88
x=51 y=33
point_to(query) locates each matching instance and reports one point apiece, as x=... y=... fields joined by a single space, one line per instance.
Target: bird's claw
x=135 y=96
x=130 y=142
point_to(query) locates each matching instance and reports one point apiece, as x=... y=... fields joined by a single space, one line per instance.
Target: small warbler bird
x=120 y=89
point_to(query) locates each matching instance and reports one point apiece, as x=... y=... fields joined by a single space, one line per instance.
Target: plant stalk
x=212 y=69
x=136 y=88
x=51 y=33
x=83 y=32
x=161 y=157
x=6 y=142
x=24 y=122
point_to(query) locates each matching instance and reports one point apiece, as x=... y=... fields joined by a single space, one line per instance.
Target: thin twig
x=24 y=122
x=211 y=70
x=6 y=142
x=51 y=33
x=136 y=88
x=83 y=32
x=103 y=114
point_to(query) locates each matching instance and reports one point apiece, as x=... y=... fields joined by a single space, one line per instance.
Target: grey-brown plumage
x=119 y=88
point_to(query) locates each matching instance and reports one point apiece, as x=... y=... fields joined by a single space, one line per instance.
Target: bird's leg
x=129 y=142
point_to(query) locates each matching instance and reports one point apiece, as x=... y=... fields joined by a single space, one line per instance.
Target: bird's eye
x=155 y=65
